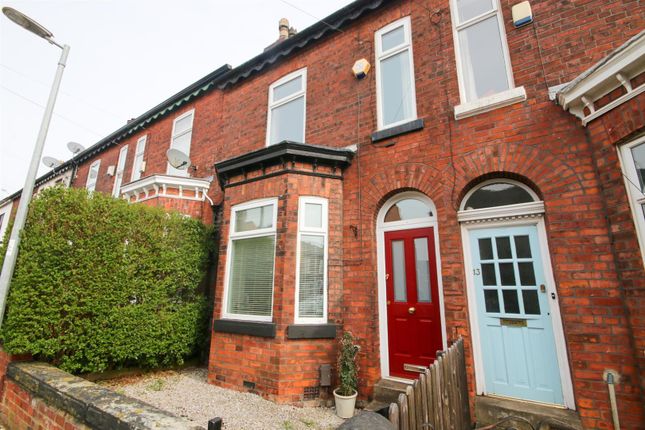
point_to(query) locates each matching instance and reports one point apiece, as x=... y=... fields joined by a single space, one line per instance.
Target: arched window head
x=408 y=209
x=498 y=193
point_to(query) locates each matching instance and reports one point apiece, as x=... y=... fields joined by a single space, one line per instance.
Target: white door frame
x=524 y=214
x=381 y=229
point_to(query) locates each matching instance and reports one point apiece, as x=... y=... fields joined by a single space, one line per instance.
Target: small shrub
x=347 y=367
x=157 y=385
x=102 y=284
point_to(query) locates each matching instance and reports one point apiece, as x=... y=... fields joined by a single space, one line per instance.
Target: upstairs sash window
x=93 y=175
x=483 y=63
x=120 y=168
x=182 y=132
x=395 y=90
x=137 y=164
x=287 y=106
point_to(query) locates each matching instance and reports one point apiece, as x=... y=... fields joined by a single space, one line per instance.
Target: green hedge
x=102 y=284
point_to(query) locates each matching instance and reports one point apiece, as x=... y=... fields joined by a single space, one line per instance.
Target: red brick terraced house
x=480 y=180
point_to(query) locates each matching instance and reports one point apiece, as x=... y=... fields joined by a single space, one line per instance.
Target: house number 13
x=476 y=272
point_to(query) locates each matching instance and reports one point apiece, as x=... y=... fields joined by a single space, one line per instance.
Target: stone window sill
x=311 y=331
x=486 y=104
x=251 y=328
x=408 y=127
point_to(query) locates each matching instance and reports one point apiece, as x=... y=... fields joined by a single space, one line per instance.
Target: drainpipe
x=611 y=377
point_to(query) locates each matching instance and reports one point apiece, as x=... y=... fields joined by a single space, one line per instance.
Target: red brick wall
x=534 y=141
x=590 y=238
x=22 y=411
x=606 y=134
x=19 y=411
x=280 y=367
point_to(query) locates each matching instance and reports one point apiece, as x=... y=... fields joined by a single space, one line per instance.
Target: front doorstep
x=489 y=410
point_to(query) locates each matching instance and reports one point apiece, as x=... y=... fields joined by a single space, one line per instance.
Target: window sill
x=311 y=331
x=408 y=127
x=252 y=328
x=486 y=104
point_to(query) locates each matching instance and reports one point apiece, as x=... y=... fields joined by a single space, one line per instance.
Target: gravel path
x=186 y=393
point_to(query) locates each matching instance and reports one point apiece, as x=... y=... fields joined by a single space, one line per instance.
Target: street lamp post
x=14 y=239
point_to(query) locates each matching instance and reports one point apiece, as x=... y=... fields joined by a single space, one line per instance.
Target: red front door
x=413 y=318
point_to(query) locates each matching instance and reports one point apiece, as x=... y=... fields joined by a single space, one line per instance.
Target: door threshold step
x=491 y=410
x=387 y=390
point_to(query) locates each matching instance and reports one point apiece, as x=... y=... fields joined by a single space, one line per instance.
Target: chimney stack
x=283 y=26
x=285 y=32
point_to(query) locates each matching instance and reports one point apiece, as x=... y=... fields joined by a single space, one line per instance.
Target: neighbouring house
x=481 y=180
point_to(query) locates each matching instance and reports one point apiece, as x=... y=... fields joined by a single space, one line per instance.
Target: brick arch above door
x=405 y=177
x=546 y=171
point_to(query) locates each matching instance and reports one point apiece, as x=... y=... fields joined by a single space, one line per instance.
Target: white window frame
x=323 y=232
x=232 y=236
x=380 y=56
x=635 y=196
x=5 y=214
x=90 y=184
x=169 y=169
x=137 y=163
x=120 y=169
x=274 y=104
x=512 y=95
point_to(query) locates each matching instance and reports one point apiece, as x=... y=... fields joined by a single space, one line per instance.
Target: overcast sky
x=126 y=56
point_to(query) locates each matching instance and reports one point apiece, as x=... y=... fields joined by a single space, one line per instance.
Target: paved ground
x=186 y=393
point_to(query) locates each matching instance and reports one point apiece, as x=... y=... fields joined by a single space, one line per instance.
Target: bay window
x=250 y=261
x=311 y=266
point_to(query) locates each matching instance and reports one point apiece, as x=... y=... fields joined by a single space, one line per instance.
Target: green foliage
x=347 y=367
x=102 y=284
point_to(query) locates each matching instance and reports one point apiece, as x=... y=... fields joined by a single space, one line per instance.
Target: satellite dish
x=178 y=159
x=51 y=162
x=75 y=147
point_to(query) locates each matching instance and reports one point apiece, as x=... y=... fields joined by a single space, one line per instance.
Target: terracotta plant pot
x=345 y=404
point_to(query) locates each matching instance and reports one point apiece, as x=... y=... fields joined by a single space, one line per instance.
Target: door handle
x=387 y=276
x=411 y=310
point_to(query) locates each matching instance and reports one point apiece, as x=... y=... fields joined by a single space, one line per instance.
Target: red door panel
x=414 y=326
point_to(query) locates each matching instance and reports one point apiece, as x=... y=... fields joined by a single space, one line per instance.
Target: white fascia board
x=600 y=79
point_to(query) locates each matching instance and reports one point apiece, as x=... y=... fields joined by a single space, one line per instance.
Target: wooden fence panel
x=438 y=400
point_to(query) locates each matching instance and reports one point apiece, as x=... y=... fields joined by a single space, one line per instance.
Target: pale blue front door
x=513 y=308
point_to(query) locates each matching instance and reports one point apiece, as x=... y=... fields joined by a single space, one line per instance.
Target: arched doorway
x=410 y=295
x=518 y=342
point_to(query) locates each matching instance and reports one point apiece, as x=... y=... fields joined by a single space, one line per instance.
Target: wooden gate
x=438 y=399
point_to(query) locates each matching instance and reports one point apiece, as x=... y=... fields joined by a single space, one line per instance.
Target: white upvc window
x=182 y=131
x=287 y=108
x=395 y=89
x=248 y=292
x=93 y=175
x=137 y=164
x=120 y=168
x=5 y=213
x=311 y=265
x=483 y=63
x=633 y=164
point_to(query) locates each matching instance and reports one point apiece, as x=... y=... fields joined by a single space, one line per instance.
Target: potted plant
x=345 y=394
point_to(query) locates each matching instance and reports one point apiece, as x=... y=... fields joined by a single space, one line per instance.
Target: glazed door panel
x=513 y=307
x=414 y=325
